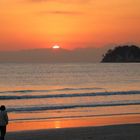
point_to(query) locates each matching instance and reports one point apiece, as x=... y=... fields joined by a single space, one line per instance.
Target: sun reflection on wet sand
x=57 y=124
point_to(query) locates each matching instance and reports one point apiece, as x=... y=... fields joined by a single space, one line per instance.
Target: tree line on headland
x=122 y=54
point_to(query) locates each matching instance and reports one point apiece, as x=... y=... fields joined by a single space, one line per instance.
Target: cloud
x=37 y=0
x=64 y=1
x=72 y=13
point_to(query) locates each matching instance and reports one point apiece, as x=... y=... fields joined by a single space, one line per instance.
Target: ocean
x=41 y=91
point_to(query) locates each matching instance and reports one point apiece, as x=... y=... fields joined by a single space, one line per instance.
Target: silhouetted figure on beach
x=3 y=121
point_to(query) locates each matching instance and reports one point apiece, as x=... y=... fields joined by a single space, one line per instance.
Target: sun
x=56 y=47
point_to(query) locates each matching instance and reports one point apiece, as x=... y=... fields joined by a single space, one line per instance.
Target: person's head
x=2 y=108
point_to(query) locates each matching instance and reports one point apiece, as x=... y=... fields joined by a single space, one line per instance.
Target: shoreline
x=110 y=132
x=73 y=123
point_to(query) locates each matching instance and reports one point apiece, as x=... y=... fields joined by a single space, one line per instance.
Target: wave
x=16 y=97
x=60 y=107
x=51 y=90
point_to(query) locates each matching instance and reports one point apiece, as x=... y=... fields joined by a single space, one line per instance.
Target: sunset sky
x=27 y=24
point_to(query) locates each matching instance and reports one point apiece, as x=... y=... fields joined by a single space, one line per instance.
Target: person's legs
x=3 y=132
x=0 y=132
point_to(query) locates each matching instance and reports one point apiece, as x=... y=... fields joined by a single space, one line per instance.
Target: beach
x=113 y=132
x=122 y=127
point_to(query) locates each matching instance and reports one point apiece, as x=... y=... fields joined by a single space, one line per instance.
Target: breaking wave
x=72 y=95
x=61 y=107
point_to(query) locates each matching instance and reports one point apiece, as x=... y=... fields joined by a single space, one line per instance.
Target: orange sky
x=26 y=24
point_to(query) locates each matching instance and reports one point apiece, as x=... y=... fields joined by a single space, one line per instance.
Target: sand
x=114 y=132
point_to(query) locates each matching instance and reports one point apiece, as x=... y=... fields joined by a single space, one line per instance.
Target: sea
x=46 y=91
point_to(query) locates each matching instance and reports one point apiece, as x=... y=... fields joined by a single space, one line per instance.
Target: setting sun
x=56 y=47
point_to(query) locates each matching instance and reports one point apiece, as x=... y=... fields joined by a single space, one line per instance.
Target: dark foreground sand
x=116 y=132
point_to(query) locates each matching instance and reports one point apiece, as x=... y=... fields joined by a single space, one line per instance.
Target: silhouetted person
x=3 y=121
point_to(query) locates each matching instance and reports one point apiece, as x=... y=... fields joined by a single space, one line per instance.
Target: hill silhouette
x=122 y=54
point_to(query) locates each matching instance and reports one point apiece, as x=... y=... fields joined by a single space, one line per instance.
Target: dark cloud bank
x=53 y=56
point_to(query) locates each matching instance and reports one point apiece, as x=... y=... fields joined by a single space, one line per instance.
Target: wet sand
x=113 y=132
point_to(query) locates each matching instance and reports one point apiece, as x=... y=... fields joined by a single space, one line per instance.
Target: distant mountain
x=50 y=55
x=122 y=54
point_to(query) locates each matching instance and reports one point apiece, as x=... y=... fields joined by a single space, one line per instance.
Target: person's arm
x=6 y=118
